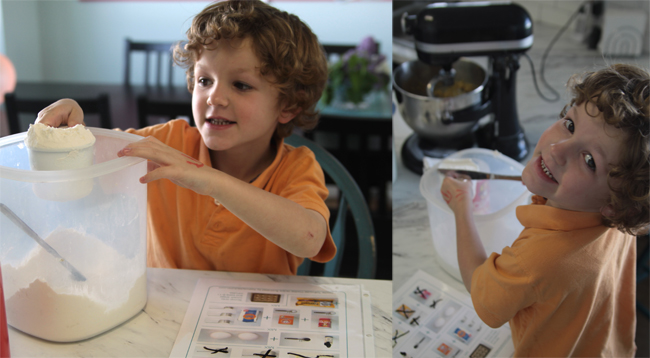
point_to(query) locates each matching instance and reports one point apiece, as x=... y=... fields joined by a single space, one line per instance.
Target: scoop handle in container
x=28 y=230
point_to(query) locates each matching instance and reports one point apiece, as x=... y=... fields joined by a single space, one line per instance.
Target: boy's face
x=234 y=106
x=572 y=159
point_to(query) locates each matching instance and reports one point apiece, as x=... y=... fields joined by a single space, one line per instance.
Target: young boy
x=567 y=284
x=237 y=198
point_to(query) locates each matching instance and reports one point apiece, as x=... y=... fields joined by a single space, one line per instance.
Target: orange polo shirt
x=567 y=286
x=190 y=231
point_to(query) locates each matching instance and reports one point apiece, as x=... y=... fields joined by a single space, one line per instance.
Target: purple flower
x=366 y=49
x=375 y=61
x=368 y=45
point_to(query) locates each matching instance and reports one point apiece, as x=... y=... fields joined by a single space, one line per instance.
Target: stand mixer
x=482 y=110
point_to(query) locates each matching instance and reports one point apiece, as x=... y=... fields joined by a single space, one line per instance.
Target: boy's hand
x=167 y=162
x=64 y=112
x=456 y=190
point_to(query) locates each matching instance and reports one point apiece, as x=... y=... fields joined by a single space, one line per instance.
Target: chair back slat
x=170 y=65
x=158 y=69
x=155 y=49
x=146 y=68
x=99 y=105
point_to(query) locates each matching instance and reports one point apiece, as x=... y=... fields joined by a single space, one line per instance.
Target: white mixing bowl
x=497 y=224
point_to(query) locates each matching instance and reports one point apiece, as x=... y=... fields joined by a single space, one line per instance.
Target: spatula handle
x=507 y=177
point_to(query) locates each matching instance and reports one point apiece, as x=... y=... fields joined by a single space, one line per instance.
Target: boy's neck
x=245 y=165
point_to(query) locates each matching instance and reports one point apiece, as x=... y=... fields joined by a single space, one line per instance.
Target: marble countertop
x=152 y=332
x=412 y=241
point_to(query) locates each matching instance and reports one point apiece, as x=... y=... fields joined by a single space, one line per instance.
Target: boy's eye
x=242 y=86
x=202 y=81
x=589 y=159
x=568 y=123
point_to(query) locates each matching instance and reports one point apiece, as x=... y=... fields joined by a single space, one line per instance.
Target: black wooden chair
x=158 y=79
x=164 y=63
x=162 y=110
x=99 y=106
x=351 y=203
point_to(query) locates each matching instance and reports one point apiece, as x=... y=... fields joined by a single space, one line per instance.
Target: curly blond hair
x=291 y=56
x=621 y=93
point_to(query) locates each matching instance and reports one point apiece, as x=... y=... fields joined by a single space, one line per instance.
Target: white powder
x=459 y=164
x=41 y=136
x=44 y=300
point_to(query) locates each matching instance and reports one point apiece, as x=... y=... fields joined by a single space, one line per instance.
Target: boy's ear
x=607 y=211
x=287 y=115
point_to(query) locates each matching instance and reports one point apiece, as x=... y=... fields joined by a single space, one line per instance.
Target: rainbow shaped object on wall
x=623 y=33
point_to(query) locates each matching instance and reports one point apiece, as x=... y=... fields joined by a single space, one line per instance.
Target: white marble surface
x=412 y=241
x=152 y=332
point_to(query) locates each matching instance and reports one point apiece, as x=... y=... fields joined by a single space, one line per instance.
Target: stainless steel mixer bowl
x=425 y=114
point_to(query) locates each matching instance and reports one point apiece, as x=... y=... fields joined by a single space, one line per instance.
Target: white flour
x=43 y=300
x=61 y=149
x=41 y=136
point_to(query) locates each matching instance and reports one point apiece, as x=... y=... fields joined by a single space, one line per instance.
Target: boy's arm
x=471 y=254
x=287 y=224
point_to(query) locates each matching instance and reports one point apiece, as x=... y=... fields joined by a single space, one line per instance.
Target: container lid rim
x=54 y=176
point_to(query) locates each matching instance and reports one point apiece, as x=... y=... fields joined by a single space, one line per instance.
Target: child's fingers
x=147 y=148
x=463 y=177
x=459 y=181
x=151 y=166
x=62 y=112
x=158 y=173
x=164 y=161
x=458 y=176
x=156 y=151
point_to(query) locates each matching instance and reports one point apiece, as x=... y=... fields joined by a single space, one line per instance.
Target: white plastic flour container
x=102 y=234
x=494 y=207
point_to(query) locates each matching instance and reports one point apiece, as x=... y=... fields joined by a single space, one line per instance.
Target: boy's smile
x=572 y=159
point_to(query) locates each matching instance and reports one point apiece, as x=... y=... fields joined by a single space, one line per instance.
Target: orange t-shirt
x=567 y=286
x=191 y=231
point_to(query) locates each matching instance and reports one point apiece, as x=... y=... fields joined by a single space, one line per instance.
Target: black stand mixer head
x=445 y=32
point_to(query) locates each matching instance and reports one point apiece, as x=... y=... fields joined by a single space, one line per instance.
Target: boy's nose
x=561 y=151
x=217 y=97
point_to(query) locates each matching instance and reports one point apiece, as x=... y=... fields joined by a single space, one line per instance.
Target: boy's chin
x=571 y=207
x=212 y=144
x=527 y=180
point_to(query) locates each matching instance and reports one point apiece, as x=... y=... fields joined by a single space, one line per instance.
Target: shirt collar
x=540 y=216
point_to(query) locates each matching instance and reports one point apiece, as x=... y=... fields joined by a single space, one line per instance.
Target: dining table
x=153 y=331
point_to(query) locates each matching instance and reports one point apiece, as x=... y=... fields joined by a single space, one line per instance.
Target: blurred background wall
x=82 y=41
x=598 y=20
